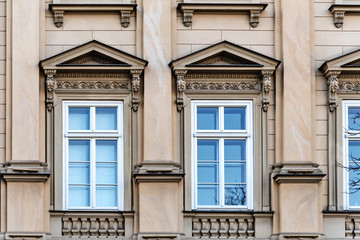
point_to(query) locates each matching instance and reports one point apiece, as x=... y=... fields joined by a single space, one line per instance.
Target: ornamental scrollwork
x=135 y=86
x=49 y=73
x=333 y=86
x=266 y=85
x=92 y=85
x=181 y=86
x=221 y=86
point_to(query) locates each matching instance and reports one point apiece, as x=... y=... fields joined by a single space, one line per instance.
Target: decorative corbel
x=338 y=18
x=49 y=73
x=180 y=88
x=187 y=17
x=125 y=18
x=333 y=86
x=266 y=84
x=135 y=86
x=254 y=18
x=58 y=18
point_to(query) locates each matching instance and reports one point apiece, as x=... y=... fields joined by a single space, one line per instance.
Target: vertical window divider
x=222 y=173
x=92 y=118
x=92 y=173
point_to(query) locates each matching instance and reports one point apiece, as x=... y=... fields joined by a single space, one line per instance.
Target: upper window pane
x=106 y=150
x=79 y=151
x=79 y=118
x=106 y=118
x=235 y=150
x=354 y=119
x=207 y=150
x=234 y=118
x=207 y=118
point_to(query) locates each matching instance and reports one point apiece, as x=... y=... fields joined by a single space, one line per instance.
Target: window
x=222 y=154
x=351 y=140
x=93 y=154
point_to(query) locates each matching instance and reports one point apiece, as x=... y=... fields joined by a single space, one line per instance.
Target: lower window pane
x=79 y=173
x=235 y=194
x=207 y=173
x=235 y=173
x=106 y=196
x=79 y=196
x=208 y=194
x=106 y=173
x=354 y=197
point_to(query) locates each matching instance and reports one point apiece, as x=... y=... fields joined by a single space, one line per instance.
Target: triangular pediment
x=93 y=56
x=349 y=62
x=225 y=56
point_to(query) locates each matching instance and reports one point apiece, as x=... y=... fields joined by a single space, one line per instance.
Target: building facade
x=179 y=119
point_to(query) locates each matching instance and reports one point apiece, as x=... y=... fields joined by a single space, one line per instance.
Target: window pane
x=79 y=150
x=354 y=118
x=207 y=173
x=79 y=196
x=207 y=118
x=79 y=118
x=106 y=119
x=207 y=150
x=354 y=151
x=106 y=150
x=234 y=118
x=235 y=173
x=354 y=197
x=235 y=150
x=208 y=195
x=235 y=194
x=106 y=173
x=106 y=196
x=79 y=173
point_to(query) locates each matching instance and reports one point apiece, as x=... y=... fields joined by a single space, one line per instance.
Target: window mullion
x=92 y=173
x=92 y=118
x=222 y=173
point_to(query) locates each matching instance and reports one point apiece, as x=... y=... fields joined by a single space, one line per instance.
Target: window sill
x=339 y=10
x=254 y=9
x=124 y=9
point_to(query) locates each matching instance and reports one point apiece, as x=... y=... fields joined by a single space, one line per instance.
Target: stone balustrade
x=352 y=226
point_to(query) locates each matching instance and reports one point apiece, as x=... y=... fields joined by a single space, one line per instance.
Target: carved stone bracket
x=333 y=86
x=266 y=84
x=338 y=18
x=125 y=18
x=180 y=88
x=58 y=18
x=254 y=18
x=135 y=86
x=49 y=73
x=188 y=17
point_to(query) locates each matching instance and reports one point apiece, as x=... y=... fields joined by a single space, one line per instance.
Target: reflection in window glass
x=354 y=119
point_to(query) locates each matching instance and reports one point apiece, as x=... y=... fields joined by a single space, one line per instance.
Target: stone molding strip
x=339 y=10
x=124 y=9
x=253 y=9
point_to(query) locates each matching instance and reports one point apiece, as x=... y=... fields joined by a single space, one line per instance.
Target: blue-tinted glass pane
x=235 y=173
x=208 y=195
x=106 y=119
x=207 y=173
x=79 y=118
x=235 y=194
x=354 y=197
x=235 y=150
x=79 y=173
x=207 y=150
x=106 y=196
x=106 y=173
x=234 y=118
x=79 y=196
x=354 y=172
x=207 y=118
x=79 y=150
x=354 y=118
x=106 y=150
x=354 y=151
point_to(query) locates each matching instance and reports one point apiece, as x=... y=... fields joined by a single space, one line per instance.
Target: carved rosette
x=125 y=18
x=187 y=18
x=49 y=88
x=180 y=88
x=266 y=84
x=333 y=86
x=254 y=18
x=58 y=18
x=339 y=19
x=135 y=86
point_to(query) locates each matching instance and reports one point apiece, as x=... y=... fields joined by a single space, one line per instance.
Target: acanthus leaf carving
x=181 y=86
x=135 y=86
x=333 y=86
x=222 y=85
x=92 y=84
x=266 y=85
x=49 y=73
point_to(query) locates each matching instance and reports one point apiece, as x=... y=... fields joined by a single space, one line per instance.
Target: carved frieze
x=222 y=86
x=93 y=75
x=353 y=86
x=221 y=76
x=92 y=85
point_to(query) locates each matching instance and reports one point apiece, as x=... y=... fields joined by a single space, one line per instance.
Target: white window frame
x=93 y=135
x=222 y=134
x=348 y=135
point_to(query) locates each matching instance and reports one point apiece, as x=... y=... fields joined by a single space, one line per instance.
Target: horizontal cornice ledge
x=25 y=177
x=158 y=177
x=298 y=177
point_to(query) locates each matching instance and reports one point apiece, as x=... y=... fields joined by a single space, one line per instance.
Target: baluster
x=120 y=229
x=223 y=228
x=232 y=229
x=93 y=228
x=102 y=230
x=111 y=229
x=250 y=229
x=65 y=228
x=204 y=228
x=196 y=226
x=242 y=228
x=214 y=229
x=356 y=228
x=74 y=228
x=84 y=229
x=349 y=228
